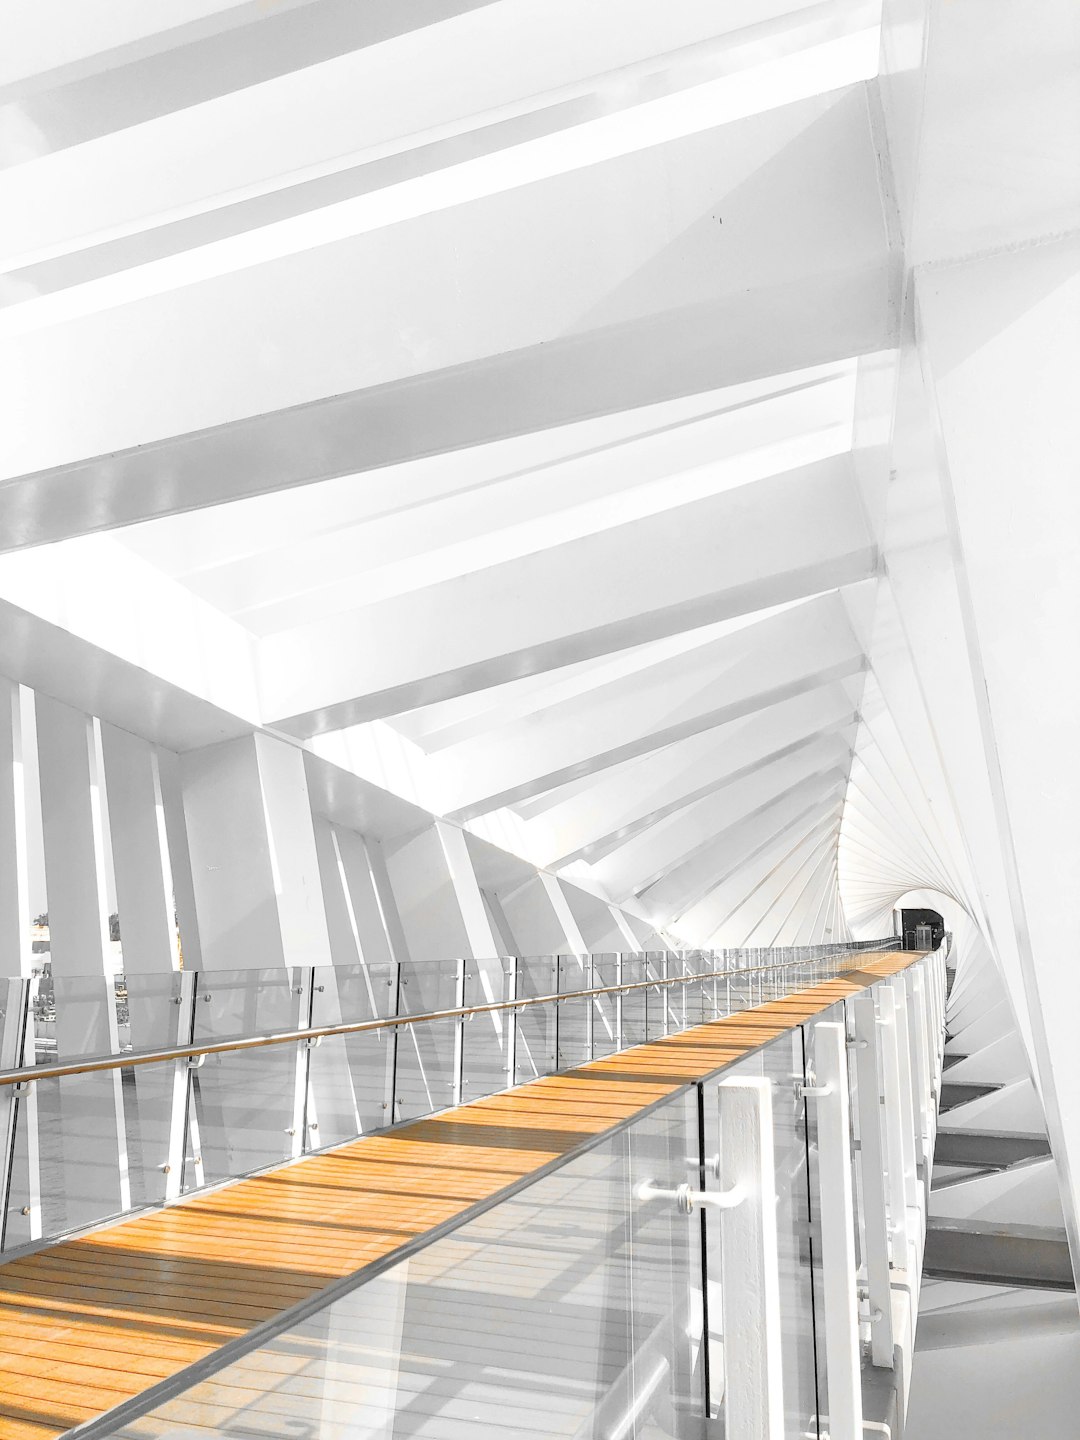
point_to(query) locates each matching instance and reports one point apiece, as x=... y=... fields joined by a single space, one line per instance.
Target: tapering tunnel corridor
x=528 y=529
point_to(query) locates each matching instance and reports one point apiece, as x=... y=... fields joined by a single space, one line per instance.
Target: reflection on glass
x=566 y=1310
x=248 y=1105
x=428 y=1054
x=350 y=1081
x=634 y=1003
x=781 y=1064
x=535 y=1048
x=158 y=1016
x=487 y=1039
x=574 y=1028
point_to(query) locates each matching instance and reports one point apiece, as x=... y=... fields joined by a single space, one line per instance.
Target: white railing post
x=829 y=1091
x=750 y=1283
x=899 y=987
x=920 y=1050
x=895 y=1148
x=873 y=1169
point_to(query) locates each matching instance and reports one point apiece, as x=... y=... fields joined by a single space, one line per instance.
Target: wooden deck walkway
x=96 y=1320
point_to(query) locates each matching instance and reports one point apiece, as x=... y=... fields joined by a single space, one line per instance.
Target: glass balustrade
x=90 y=1146
x=663 y=1282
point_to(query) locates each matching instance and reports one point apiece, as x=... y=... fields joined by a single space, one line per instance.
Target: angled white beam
x=790 y=886
x=376 y=101
x=629 y=798
x=194 y=411
x=760 y=880
x=654 y=853
x=752 y=869
x=684 y=886
x=760 y=665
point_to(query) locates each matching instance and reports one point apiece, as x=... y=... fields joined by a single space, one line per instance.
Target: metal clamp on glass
x=686 y=1198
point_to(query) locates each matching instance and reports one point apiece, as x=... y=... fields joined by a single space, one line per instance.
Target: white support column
x=750 y=1277
x=896 y=1145
x=258 y=894
x=15 y=946
x=575 y=940
x=18 y=1112
x=356 y=860
x=633 y=944
x=254 y=864
x=899 y=986
x=91 y=1107
x=873 y=1171
x=533 y=922
x=426 y=899
x=386 y=900
x=483 y=954
x=172 y=803
x=145 y=906
x=140 y=855
x=837 y=1233
x=924 y=1095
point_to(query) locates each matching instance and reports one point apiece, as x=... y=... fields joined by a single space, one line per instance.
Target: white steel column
x=924 y=1112
x=896 y=1143
x=254 y=863
x=872 y=1169
x=750 y=1276
x=145 y=906
x=575 y=940
x=425 y=897
x=91 y=1107
x=18 y=1111
x=483 y=952
x=830 y=1092
x=15 y=948
x=899 y=986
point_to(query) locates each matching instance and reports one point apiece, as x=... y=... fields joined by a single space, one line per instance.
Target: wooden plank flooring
x=93 y=1321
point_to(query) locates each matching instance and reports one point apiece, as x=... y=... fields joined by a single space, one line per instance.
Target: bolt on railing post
x=837 y=1216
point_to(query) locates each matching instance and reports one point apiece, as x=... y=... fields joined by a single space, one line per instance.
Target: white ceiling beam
x=420 y=336
x=717 y=900
x=705 y=562
x=655 y=853
x=618 y=804
x=804 y=804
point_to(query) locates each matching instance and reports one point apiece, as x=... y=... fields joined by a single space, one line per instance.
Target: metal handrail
x=94 y=1064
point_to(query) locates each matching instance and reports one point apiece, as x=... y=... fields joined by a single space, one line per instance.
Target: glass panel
x=245 y=1104
x=635 y=1003
x=834 y=1015
x=781 y=1064
x=566 y=1310
x=574 y=1040
x=350 y=1079
x=81 y=1118
x=488 y=1039
x=656 y=1001
x=428 y=1055
x=605 y=1008
x=534 y=1052
x=15 y=1223
x=666 y=1393
x=155 y=1015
